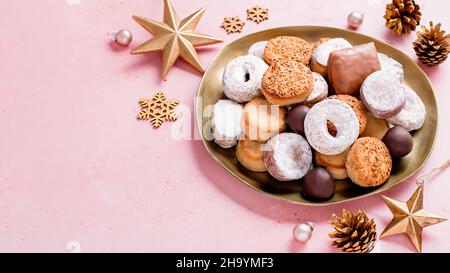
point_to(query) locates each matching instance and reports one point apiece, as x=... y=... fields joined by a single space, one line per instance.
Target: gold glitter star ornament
x=410 y=218
x=174 y=38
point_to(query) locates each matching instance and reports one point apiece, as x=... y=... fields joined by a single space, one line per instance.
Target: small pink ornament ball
x=355 y=19
x=123 y=37
x=303 y=232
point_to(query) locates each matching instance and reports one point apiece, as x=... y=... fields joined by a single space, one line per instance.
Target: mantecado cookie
x=249 y=153
x=369 y=163
x=262 y=120
x=287 y=82
x=287 y=48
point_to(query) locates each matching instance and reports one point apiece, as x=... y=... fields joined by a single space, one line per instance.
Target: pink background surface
x=78 y=172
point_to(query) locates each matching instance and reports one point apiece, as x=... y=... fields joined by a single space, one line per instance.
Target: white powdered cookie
x=383 y=94
x=391 y=66
x=287 y=156
x=344 y=119
x=321 y=54
x=242 y=78
x=320 y=90
x=227 y=123
x=412 y=116
x=257 y=49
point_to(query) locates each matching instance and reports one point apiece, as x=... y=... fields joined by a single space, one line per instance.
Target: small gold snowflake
x=233 y=24
x=157 y=109
x=257 y=14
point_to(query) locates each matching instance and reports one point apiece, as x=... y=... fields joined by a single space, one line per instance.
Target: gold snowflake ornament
x=157 y=109
x=233 y=24
x=257 y=14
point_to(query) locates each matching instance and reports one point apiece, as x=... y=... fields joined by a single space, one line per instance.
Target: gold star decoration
x=157 y=109
x=232 y=24
x=410 y=218
x=257 y=14
x=174 y=38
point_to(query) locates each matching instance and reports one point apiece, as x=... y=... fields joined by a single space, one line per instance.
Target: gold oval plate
x=210 y=91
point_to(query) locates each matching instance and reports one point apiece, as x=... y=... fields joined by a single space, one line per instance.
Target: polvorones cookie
x=287 y=82
x=287 y=48
x=369 y=163
x=262 y=120
x=250 y=154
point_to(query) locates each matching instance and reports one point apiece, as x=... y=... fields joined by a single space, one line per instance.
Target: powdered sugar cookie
x=391 y=66
x=287 y=156
x=242 y=78
x=320 y=90
x=319 y=59
x=257 y=49
x=383 y=94
x=226 y=123
x=344 y=120
x=357 y=106
x=412 y=116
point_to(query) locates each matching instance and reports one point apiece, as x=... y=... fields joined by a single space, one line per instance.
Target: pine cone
x=353 y=232
x=402 y=16
x=432 y=45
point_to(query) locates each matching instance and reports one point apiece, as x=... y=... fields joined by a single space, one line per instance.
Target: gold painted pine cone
x=402 y=16
x=432 y=45
x=353 y=232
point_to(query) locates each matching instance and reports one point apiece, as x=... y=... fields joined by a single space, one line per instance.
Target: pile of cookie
x=317 y=113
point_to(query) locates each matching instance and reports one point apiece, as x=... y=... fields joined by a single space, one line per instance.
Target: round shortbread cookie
x=262 y=120
x=249 y=153
x=369 y=163
x=287 y=48
x=287 y=83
